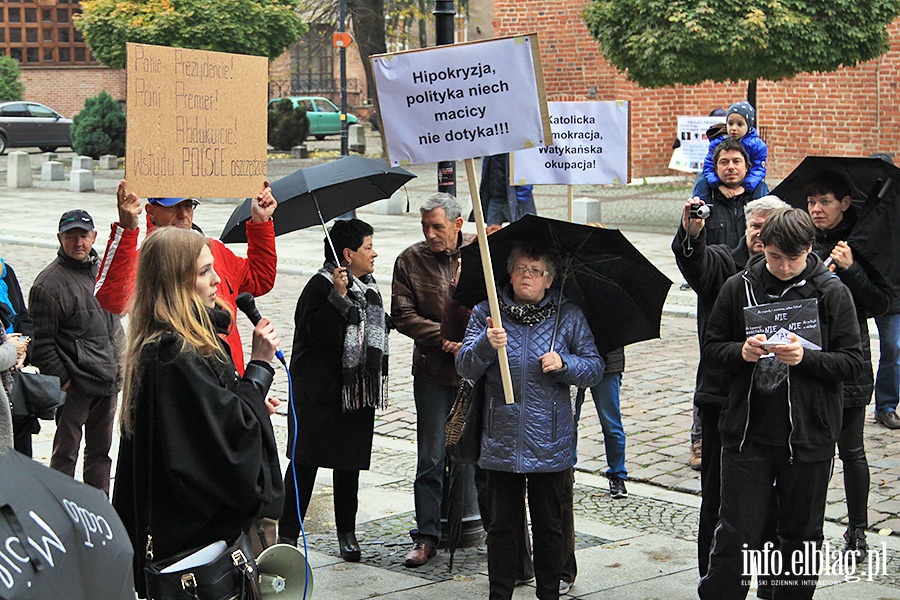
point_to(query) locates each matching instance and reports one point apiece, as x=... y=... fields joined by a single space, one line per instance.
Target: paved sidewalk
x=641 y=547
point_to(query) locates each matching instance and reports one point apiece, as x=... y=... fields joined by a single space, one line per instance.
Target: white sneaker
x=564 y=586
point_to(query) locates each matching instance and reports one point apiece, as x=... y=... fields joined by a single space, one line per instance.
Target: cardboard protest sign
x=694 y=145
x=461 y=100
x=590 y=145
x=196 y=122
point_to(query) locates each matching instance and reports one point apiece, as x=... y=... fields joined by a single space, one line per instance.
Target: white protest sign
x=590 y=145
x=462 y=100
x=692 y=135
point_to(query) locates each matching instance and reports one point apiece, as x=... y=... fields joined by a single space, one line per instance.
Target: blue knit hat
x=745 y=110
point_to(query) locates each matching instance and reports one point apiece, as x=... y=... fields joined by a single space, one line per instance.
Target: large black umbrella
x=875 y=191
x=63 y=538
x=866 y=177
x=619 y=290
x=318 y=194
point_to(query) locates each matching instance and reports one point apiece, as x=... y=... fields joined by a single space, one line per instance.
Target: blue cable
x=293 y=412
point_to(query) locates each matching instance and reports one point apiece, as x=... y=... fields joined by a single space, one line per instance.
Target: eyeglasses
x=192 y=202
x=533 y=272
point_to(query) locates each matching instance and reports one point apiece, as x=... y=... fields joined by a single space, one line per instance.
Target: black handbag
x=36 y=395
x=233 y=575
x=463 y=429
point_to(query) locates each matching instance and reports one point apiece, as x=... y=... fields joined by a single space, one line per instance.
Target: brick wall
x=65 y=88
x=852 y=111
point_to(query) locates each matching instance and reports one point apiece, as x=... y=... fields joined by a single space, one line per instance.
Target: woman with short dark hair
x=339 y=377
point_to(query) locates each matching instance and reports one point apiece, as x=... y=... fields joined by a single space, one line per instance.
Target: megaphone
x=284 y=573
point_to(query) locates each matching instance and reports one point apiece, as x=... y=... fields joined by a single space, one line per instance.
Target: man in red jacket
x=254 y=274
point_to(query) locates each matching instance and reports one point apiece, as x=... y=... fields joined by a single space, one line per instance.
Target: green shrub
x=288 y=126
x=99 y=128
x=10 y=86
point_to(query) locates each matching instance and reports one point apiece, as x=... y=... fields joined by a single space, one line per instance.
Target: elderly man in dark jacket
x=422 y=276
x=79 y=342
x=529 y=443
x=783 y=413
x=829 y=205
x=706 y=267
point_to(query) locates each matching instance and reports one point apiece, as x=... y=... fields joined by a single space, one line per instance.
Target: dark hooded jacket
x=814 y=385
x=211 y=464
x=706 y=268
x=870 y=299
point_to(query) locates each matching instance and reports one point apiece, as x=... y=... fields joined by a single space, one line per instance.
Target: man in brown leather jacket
x=422 y=276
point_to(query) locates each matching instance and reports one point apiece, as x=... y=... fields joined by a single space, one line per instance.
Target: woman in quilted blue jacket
x=527 y=445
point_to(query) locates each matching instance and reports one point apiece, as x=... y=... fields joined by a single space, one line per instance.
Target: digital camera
x=700 y=211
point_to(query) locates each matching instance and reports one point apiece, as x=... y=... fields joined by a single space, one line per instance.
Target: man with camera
x=705 y=267
x=725 y=219
x=724 y=224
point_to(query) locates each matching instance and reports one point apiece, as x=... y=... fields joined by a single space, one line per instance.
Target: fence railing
x=302 y=85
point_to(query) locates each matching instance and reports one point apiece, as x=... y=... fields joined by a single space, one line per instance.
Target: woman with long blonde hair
x=198 y=460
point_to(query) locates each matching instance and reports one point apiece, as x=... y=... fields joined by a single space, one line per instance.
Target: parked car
x=324 y=116
x=25 y=124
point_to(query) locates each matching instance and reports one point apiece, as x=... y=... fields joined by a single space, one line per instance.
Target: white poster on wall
x=694 y=144
x=462 y=100
x=590 y=145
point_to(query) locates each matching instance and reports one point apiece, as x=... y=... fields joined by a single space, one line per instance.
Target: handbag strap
x=151 y=404
x=34 y=557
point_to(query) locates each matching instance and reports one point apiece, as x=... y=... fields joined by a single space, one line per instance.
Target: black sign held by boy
x=777 y=319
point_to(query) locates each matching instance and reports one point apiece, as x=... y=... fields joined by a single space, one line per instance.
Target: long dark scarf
x=365 y=358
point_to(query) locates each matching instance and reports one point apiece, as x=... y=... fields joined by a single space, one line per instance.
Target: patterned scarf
x=528 y=314
x=365 y=356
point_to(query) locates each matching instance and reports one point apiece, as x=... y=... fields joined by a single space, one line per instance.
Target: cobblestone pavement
x=655 y=403
x=656 y=392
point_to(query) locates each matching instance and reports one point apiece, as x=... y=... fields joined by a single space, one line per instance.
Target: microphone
x=247 y=304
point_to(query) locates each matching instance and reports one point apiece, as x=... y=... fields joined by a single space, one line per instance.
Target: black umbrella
x=62 y=538
x=866 y=176
x=875 y=191
x=318 y=194
x=619 y=290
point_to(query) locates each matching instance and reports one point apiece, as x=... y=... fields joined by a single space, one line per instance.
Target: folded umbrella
x=875 y=193
x=620 y=292
x=315 y=195
x=62 y=538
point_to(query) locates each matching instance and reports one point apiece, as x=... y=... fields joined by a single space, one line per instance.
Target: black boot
x=349 y=546
x=855 y=541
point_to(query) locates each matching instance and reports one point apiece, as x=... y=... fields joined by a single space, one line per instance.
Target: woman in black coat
x=339 y=376
x=197 y=460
